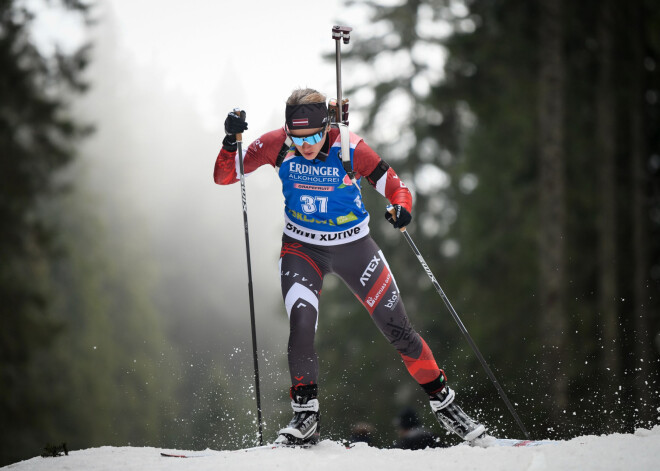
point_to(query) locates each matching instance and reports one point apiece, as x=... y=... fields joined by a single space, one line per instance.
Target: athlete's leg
x=364 y=269
x=301 y=277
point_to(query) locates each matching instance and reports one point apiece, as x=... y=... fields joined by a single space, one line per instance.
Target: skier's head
x=307 y=121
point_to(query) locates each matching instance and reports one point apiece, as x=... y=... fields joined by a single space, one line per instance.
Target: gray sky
x=164 y=75
x=221 y=54
x=207 y=56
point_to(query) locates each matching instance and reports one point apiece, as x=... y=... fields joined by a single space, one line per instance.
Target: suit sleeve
x=382 y=177
x=263 y=151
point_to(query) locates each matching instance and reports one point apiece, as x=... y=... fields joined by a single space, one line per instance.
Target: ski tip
x=172 y=455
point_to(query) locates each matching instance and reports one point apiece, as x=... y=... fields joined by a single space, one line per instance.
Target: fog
x=163 y=77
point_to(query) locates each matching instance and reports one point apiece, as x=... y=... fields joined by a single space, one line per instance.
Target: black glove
x=234 y=124
x=401 y=217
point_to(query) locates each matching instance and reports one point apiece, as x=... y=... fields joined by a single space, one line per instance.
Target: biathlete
x=326 y=230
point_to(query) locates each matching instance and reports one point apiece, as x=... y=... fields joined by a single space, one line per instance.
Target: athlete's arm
x=260 y=152
x=383 y=178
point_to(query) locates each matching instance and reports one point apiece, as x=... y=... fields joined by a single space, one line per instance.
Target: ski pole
x=461 y=326
x=255 y=356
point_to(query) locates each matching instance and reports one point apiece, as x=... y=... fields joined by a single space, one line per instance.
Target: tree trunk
x=552 y=200
x=606 y=165
x=640 y=249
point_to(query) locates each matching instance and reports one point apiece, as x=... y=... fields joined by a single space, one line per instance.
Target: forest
x=529 y=134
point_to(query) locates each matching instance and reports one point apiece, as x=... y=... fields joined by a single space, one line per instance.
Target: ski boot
x=452 y=417
x=304 y=428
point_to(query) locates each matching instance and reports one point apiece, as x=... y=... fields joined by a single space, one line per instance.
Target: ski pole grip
x=390 y=209
x=239 y=112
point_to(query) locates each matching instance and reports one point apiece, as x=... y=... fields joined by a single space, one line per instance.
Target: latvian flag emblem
x=300 y=122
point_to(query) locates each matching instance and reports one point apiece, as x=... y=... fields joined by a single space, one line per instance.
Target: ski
x=186 y=455
x=273 y=446
x=201 y=454
x=489 y=441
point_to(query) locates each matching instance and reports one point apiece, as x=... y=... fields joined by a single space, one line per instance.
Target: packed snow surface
x=638 y=451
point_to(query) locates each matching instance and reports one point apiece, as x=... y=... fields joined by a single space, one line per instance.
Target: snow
x=639 y=451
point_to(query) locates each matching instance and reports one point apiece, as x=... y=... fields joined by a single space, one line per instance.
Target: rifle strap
x=283 y=150
x=345 y=152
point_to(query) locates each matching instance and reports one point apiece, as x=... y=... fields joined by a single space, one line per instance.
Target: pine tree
x=37 y=140
x=527 y=154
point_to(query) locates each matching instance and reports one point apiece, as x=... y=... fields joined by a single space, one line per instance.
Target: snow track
x=639 y=451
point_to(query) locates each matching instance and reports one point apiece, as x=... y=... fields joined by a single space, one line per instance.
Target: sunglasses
x=311 y=139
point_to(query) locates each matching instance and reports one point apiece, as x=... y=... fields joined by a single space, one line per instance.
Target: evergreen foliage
x=81 y=345
x=37 y=138
x=475 y=130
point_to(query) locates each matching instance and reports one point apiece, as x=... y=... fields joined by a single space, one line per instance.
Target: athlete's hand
x=400 y=218
x=234 y=124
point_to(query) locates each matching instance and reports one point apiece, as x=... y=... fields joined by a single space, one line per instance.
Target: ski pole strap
x=390 y=209
x=283 y=150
